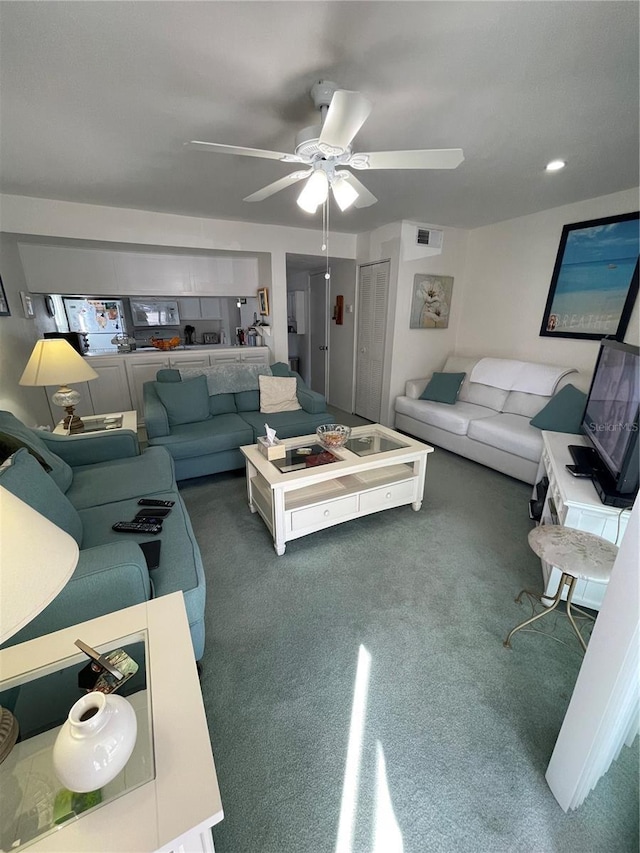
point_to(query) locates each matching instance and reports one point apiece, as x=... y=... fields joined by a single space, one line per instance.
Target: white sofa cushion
x=483 y=395
x=509 y=432
x=453 y=419
x=521 y=403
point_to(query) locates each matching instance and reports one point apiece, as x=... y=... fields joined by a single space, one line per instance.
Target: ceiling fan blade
x=365 y=198
x=276 y=186
x=347 y=113
x=435 y=158
x=244 y=152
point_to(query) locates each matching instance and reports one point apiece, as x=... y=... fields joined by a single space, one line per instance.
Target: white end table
x=98 y=424
x=173 y=810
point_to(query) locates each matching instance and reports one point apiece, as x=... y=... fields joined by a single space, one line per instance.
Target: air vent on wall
x=429 y=237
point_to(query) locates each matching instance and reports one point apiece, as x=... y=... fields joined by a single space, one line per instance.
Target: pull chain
x=325 y=235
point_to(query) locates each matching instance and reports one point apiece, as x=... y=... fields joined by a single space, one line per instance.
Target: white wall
x=417 y=352
x=509 y=268
x=17 y=337
x=411 y=353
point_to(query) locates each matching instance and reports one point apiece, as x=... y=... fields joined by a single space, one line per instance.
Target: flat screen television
x=610 y=422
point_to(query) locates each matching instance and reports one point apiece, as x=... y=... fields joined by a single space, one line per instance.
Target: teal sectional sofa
x=203 y=431
x=85 y=483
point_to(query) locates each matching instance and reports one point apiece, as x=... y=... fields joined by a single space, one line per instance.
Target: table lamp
x=36 y=561
x=55 y=362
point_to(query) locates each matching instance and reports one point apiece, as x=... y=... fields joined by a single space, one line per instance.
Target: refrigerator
x=100 y=320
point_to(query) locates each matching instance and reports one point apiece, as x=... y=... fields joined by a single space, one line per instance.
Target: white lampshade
x=315 y=192
x=36 y=561
x=55 y=362
x=344 y=193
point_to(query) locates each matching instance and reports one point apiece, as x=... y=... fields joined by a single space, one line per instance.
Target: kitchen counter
x=190 y=348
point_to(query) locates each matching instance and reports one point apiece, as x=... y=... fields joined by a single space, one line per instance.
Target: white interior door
x=373 y=290
x=318 y=332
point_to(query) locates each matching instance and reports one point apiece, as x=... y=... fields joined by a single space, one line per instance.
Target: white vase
x=95 y=742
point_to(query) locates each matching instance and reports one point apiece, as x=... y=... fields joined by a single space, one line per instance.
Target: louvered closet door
x=373 y=292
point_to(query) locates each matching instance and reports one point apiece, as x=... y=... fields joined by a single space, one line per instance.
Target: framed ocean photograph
x=595 y=279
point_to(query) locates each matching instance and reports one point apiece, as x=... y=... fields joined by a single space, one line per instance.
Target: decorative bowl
x=165 y=343
x=332 y=436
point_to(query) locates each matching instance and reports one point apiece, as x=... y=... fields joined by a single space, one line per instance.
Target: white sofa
x=487 y=423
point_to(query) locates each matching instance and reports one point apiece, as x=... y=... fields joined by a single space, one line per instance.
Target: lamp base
x=72 y=422
x=8 y=732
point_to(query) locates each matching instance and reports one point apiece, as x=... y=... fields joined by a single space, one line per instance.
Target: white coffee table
x=378 y=469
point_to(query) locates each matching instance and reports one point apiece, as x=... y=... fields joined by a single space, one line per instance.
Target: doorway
x=319 y=333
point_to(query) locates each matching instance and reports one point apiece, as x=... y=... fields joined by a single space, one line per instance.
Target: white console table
x=574 y=502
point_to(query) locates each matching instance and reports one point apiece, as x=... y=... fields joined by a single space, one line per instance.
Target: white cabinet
x=255 y=355
x=109 y=272
x=225 y=276
x=138 y=272
x=227 y=356
x=61 y=269
x=574 y=502
x=110 y=391
x=251 y=355
x=189 y=308
x=188 y=360
x=200 y=308
x=141 y=369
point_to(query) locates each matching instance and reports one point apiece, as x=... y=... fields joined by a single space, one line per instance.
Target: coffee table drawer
x=394 y=494
x=324 y=513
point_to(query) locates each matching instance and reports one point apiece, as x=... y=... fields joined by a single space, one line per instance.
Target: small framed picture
x=263 y=301
x=4 y=305
x=27 y=304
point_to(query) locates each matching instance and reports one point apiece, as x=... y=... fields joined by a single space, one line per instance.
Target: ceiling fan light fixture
x=344 y=193
x=315 y=192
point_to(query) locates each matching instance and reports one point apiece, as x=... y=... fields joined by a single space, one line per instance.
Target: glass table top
x=373 y=442
x=299 y=458
x=33 y=803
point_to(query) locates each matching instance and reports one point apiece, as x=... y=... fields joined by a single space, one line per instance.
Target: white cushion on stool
x=575 y=552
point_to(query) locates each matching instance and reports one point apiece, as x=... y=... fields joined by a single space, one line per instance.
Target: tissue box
x=271 y=451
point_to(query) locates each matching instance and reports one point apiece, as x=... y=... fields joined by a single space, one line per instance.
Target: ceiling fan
x=326 y=148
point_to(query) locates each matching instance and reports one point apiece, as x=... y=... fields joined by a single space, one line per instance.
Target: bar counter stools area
x=579 y=556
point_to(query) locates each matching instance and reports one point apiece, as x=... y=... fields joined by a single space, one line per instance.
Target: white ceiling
x=98 y=97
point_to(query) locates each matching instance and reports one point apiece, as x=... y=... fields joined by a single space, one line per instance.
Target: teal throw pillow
x=563 y=412
x=26 y=479
x=60 y=473
x=443 y=387
x=186 y=402
x=280 y=369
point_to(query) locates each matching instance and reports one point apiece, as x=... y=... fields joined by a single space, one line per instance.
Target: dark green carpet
x=463 y=727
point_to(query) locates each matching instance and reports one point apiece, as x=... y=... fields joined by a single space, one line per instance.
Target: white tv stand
x=574 y=502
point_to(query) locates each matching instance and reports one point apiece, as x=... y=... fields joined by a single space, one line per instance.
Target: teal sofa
x=85 y=483
x=203 y=433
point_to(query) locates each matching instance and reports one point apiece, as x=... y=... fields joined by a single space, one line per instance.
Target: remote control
x=151 y=512
x=136 y=527
x=152 y=502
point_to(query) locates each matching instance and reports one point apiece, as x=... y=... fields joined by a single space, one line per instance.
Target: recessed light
x=555 y=165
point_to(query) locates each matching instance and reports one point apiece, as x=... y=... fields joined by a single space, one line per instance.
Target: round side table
x=578 y=555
